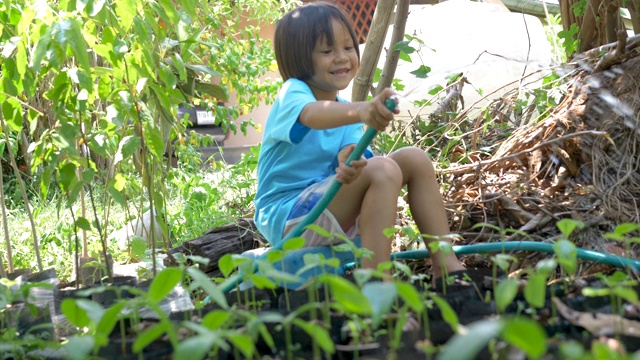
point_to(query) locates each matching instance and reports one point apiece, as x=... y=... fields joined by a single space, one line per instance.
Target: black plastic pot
x=109 y=296
x=122 y=350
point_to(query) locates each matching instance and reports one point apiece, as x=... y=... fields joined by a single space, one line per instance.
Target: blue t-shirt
x=294 y=156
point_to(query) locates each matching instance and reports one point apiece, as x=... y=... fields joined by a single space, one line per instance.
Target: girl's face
x=333 y=66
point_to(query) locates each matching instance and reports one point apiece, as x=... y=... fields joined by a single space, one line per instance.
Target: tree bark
x=363 y=81
x=214 y=244
x=389 y=70
x=634 y=10
x=591 y=26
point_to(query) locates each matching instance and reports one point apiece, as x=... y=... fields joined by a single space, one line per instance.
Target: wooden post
x=375 y=40
x=389 y=70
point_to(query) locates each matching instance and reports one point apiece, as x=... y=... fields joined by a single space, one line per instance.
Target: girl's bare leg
x=425 y=202
x=373 y=197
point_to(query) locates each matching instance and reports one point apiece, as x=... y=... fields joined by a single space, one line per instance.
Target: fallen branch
x=465 y=168
x=599 y=324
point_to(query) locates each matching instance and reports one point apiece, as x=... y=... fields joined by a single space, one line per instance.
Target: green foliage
x=522 y=333
x=570 y=40
x=94 y=88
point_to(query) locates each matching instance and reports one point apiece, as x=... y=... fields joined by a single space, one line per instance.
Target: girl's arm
x=331 y=114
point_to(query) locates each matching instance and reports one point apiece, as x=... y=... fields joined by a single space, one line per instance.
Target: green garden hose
x=508 y=246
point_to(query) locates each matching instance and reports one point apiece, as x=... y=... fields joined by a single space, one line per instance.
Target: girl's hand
x=347 y=174
x=375 y=114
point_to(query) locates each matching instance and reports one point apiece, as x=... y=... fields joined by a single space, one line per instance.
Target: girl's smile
x=335 y=65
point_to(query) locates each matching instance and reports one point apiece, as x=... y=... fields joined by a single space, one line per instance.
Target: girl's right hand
x=375 y=114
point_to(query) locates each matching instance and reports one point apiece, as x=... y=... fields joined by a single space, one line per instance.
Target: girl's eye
x=326 y=51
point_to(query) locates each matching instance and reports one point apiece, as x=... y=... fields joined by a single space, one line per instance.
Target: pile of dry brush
x=581 y=161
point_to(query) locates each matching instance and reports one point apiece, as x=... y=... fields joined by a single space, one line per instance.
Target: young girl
x=310 y=133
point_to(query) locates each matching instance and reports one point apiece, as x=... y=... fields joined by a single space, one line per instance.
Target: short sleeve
x=292 y=99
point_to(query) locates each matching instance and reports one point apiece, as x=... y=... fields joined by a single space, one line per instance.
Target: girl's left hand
x=347 y=174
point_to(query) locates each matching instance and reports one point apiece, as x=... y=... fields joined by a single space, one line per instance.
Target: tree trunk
x=386 y=78
x=375 y=40
x=634 y=10
x=599 y=25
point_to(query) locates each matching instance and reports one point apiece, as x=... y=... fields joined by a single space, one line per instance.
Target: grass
x=197 y=200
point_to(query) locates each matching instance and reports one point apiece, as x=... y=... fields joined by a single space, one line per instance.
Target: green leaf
x=202 y=281
x=242 y=342
x=536 y=290
x=410 y=295
x=12 y=114
x=190 y=7
x=67 y=176
x=527 y=335
x=225 y=264
x=154 y=141
x=194 y=347
x=567 y=255
x=178 y=64
x=319 y=334
x=91 y=7
x=435 y=89
x=83 y=223
x=262 y=282
x=42 y=47
x=546 y=267
x=81 y=312
x=404 y=47
x=138 y=245
x=203 y=68
x=116 y=195
x=466 y=346
x=448 y=315
x=79 y=347
x=126 y=11
x=170 y=9
x=404 y=57
x=347 y=294
x=127 y=146
x=319 y=230
x=109 y=319
x=628 y=294
x=164 y=283
x=506 y=291
x=215 y=319
x=212 y=90
x=626 y=228
x=568 y=226
x=422 y=72
x=150 y=335
x=294 y=244
x=73 y=37
x=381 y=296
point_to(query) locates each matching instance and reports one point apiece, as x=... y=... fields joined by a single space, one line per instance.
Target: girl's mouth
x=341 y=72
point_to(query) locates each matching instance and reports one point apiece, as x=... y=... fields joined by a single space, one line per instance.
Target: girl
x=310 y=133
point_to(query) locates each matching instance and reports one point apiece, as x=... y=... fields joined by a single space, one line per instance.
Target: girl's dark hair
x=297 y=33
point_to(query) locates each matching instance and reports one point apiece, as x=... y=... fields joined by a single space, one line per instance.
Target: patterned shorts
x=303 y=205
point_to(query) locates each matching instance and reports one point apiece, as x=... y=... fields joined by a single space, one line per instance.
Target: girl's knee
x=412 y=158
x=385 y=170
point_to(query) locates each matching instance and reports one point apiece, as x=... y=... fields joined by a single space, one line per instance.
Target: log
x=234 y=238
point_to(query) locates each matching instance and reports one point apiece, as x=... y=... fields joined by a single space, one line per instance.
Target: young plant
x=625 y=233
x=565 y=250
x=619 y=288
x=522 y=333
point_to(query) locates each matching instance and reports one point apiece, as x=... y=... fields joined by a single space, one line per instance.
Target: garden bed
x=322 y=322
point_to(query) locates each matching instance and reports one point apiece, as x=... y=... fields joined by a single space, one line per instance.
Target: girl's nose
x=341 y=56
